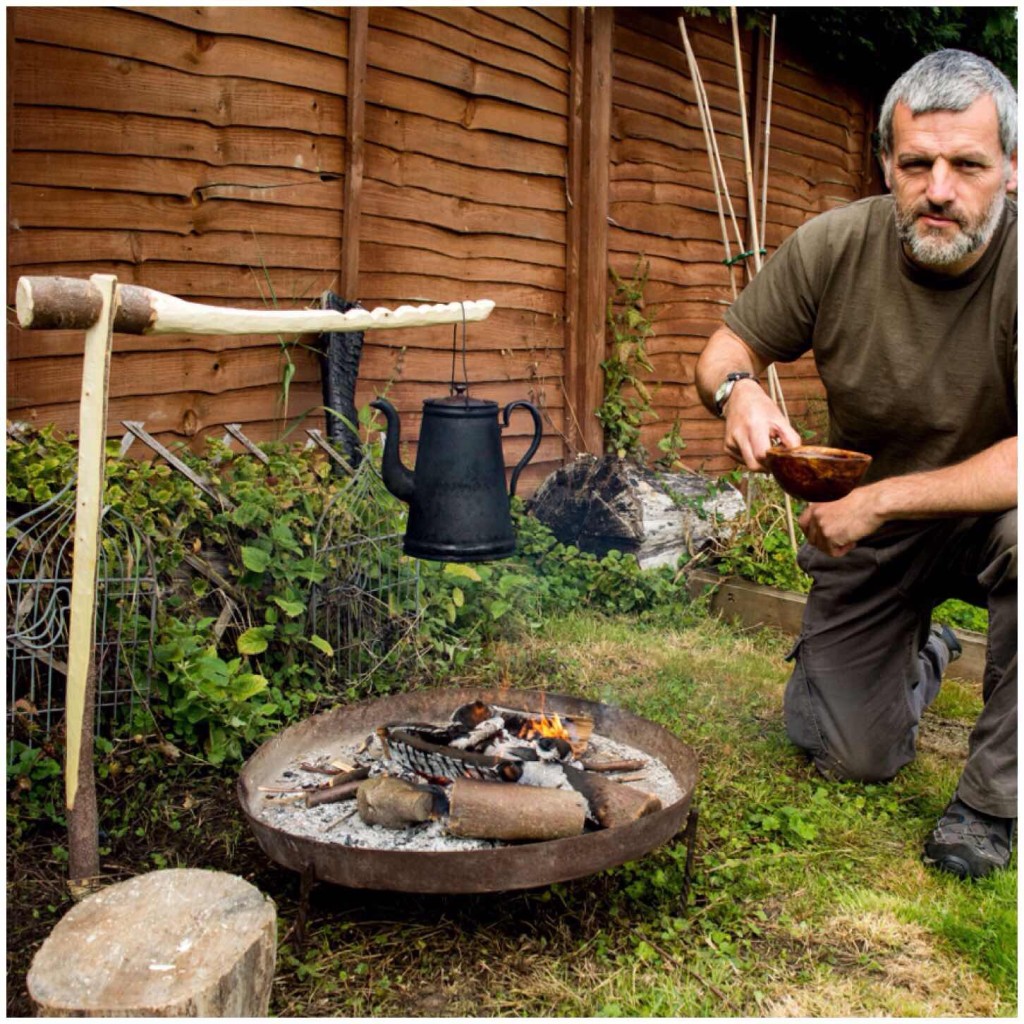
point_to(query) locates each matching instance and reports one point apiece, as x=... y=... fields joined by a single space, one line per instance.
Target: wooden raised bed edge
x=756 y=605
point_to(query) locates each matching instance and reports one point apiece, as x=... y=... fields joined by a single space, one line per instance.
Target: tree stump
x=174 y=943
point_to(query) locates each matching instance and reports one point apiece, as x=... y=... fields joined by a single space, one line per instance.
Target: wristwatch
x=723 y=393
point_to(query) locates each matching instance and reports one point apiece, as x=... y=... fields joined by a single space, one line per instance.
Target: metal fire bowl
x=500 y=869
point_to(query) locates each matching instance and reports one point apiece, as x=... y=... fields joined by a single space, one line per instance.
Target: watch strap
x=725 y=389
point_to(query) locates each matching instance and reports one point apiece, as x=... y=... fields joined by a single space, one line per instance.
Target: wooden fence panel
x=199 y=151
x=204 y=151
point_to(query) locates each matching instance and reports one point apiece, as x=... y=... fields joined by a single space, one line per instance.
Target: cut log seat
x=175 y=943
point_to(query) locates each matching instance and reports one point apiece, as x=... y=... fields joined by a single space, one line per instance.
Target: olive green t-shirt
x=919 y=369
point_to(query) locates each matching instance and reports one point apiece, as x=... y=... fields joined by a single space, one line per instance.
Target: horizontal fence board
x=473 y=269
x=184 y=179
x=433 y=176
x=395 y=92
x=57 y=76
x=132 y=37
x=221 y=247
x=401 y=38
x=477 y=113
x=457 y=214
x=300 y=27
x=488 y=25
x=417 y=235
x=49 y=207
x=141 y=135
x=483 y=150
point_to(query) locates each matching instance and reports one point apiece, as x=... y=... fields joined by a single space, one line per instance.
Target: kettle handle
x=538 y=429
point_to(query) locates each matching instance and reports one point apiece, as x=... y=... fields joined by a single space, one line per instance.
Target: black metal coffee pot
x=458 y=504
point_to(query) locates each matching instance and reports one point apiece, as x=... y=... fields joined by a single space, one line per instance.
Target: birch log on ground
x=176 y=943
x=498 y=810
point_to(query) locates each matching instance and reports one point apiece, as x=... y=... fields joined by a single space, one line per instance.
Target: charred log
x=611 y=803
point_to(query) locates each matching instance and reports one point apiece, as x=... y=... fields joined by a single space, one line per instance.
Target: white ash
x=340 y=822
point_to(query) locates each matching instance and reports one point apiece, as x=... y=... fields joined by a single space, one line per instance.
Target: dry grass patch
x=870 y=963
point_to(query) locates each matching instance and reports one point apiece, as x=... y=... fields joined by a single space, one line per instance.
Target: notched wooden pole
x=68 y=303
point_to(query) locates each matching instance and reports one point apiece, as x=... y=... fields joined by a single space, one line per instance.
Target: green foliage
x=870 y=47
x=468 y=606
x=35 y=788
x=627 y=400
x=207 y=699
x=961 y=615
x=670 y=448
x=759 y=548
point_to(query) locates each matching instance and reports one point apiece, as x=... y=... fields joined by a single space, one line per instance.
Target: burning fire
x=536 y=728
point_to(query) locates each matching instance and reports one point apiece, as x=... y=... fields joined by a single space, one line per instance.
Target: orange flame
x=544 y=726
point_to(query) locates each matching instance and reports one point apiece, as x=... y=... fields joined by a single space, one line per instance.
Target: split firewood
x=333 y=794
x=611 y=803
x=495 y=810
x=353 y=775
x=614 y=766
x=395 y=803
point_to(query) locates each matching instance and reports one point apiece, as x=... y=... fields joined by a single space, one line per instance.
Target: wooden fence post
x=586 y=348
x=355 y=134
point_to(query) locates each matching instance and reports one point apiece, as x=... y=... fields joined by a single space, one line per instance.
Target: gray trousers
x=866 y=665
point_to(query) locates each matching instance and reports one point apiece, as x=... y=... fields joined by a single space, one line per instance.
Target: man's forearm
x=724 y=353
x=986 y=482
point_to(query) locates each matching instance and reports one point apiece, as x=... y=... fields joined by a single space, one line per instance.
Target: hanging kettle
x=458 y=504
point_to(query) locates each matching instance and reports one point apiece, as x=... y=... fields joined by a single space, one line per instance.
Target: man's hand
x=753 y=422
x=835 y=526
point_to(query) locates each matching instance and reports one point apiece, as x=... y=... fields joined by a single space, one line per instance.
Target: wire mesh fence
x=39 y=556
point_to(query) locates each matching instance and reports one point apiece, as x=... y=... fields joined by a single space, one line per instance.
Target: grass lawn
x=809 y=898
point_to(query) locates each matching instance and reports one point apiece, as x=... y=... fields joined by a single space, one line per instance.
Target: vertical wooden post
x=574 y=206
x=585 y=381
x=356 y=130
x=80 y=792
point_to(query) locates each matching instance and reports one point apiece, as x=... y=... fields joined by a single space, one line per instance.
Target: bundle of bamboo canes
x=723 y=197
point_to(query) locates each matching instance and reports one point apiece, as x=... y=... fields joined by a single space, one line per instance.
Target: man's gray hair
x=952 y=80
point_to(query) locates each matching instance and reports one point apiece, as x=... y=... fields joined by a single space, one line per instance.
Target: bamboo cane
x=774 y=385
x=719 y=181
x=767 y=129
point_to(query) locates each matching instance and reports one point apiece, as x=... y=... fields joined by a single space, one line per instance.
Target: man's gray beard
x=932 y=250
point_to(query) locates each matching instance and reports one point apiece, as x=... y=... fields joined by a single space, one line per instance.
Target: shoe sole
x=953 y=865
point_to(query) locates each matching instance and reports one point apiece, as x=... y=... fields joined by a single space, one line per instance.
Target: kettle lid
x=460 y=400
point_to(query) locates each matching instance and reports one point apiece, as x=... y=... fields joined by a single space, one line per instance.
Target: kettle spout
x=397 y=478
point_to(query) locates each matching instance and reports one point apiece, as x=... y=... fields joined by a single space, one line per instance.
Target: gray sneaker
x=969 y=843
x=948 y=637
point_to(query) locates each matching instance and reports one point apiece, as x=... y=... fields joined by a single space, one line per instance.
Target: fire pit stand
x=494 y=869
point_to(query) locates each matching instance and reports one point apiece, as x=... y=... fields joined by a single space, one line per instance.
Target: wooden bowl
x=813 y=473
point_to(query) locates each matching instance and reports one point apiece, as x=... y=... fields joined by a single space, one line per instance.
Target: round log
x=394 y=803
x=175 y=943
x=500 y=810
